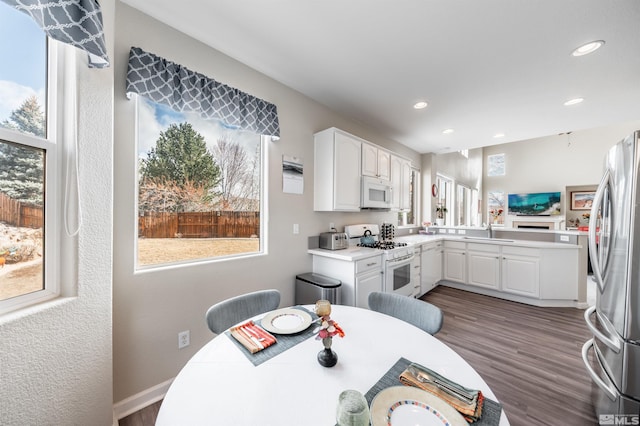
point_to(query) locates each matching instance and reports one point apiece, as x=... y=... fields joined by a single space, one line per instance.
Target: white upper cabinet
x=336 y=173
x=400 y=183
x=376 y=162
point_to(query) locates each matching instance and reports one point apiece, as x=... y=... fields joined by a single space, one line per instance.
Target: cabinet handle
x=371 y=264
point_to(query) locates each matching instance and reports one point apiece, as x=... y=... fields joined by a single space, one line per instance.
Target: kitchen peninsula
x=540 y=268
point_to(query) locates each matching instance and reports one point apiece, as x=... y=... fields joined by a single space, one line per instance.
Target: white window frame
x=53 y=177
x=264 y=203
x=403 y=220
x=446 y=192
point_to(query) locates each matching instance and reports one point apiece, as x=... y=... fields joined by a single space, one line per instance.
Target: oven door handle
x=401 y=260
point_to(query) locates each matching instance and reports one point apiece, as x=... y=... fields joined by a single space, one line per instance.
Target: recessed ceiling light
x=573 y=101
x=590 y=47
x=447 y=131
x=499 y=135
x=420 y=105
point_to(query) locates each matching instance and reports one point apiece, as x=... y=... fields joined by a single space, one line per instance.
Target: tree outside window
x=199 y=188
x=24 y=149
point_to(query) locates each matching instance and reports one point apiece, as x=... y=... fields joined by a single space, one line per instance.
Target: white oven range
x=396 y=257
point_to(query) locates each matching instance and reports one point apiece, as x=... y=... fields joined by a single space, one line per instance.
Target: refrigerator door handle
x=593 y=246
x=612 y=341
x=608 y=388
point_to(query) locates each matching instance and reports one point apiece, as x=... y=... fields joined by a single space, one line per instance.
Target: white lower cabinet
x=416 y=272
x=521 y=271
x=359 y=278
x=483 y=265
x=431 y=266
x=366 y=284
x=455 y=261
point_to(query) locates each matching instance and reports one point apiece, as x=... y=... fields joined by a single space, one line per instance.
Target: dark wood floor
x=529 y=356
x=145 y=417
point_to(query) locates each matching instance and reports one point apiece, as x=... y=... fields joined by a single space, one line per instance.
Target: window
x=496 y=165
x=28 y=162
x=444 y=203
x=410 y=217
x=495 y=207
x=464 y=205
x=200 y=188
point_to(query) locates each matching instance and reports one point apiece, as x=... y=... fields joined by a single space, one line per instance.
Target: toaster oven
x=333 y=240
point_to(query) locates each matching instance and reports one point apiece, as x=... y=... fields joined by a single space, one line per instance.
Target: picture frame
x=582 y=200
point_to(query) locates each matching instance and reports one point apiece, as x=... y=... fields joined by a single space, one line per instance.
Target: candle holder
x=328 y=328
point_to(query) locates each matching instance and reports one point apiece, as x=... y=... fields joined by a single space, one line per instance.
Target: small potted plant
x=441 y=209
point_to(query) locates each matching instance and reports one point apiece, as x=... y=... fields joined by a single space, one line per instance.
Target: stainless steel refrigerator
x=614 y=248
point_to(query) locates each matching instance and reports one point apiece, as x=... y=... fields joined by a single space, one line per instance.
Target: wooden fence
x=216 y=224
x=17 y=213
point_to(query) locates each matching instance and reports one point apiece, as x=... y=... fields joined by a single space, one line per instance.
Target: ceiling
x=484 y=66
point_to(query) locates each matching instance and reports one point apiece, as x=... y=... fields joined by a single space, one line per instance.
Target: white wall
x=151 y=308
x=56 y=358
x=462 y=170
x=552 y=163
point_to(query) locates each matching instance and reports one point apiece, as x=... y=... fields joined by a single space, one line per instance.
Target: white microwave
x=375 y=193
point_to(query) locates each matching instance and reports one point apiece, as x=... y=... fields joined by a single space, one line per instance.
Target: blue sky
x=23 y=64
x=155 y=118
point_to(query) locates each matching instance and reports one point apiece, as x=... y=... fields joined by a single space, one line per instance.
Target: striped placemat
x=285 y=341
x=491 y=410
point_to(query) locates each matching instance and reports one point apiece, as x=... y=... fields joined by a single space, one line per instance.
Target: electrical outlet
x=331 y=226
x=296 y=228
x=183 y=339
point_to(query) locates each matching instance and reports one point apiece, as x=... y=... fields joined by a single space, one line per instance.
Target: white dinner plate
x=286 y=321
x=409 y=406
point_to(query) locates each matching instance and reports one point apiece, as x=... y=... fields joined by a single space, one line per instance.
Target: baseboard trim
x=140 y=400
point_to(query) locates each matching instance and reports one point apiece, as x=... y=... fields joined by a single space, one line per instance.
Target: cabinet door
x=400 y=183
x=455 y=265
x=346 y=185
x=405 y=186
x=366 y=284
x=369 y=160
x=484 y=269
x=431 y=271
x=520 y=275
x=416 y=274
x=384 y=164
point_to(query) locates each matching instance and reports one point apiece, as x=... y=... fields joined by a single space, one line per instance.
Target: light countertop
x=355 y=253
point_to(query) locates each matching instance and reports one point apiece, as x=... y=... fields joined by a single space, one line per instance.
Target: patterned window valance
x=75 y=22
x=184 y=90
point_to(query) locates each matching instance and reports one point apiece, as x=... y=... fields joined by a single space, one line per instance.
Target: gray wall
x=150 y=308
x=554 y=162
x=56 y=357
x=462 y=170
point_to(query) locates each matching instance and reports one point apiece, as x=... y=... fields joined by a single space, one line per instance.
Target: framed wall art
x=582 y=200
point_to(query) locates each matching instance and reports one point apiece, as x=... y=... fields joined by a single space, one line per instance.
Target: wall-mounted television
x=534 y=204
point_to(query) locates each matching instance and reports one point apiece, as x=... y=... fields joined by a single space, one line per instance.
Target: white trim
x=543 y=303
x=140 y=400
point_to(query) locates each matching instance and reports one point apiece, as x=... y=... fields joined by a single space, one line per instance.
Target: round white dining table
x=220 y=386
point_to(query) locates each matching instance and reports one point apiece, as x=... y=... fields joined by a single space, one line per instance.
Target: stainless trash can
x=311 y=287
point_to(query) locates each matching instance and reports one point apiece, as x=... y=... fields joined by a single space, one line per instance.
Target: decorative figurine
x=328 y=328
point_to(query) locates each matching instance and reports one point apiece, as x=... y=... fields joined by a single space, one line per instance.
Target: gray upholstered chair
x=230 y=312
x=422 y=314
